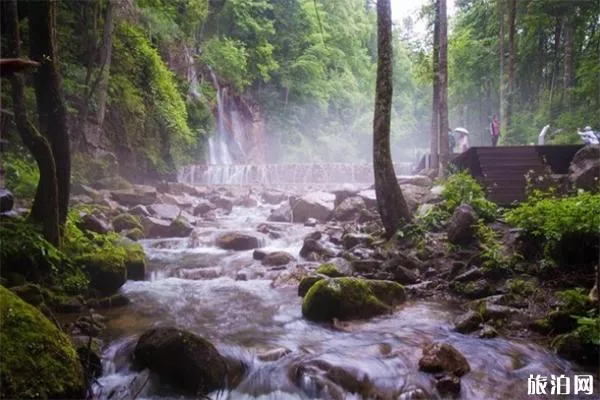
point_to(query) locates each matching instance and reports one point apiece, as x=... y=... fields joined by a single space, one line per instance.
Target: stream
x=230 y=299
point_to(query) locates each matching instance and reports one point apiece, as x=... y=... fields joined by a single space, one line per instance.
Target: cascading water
x=218 y=149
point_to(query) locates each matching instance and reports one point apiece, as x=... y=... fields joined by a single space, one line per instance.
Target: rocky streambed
x=231 y=280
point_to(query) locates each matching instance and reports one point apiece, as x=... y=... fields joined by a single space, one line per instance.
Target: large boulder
x=417 y=180
x=414 y=195
x=317 y=205
x=350 y=298
x=369 y=197
x=584 y=171
x=183 y=359
x=223 y=202
x=164 y=211
x=6 y=200
x=135 y=261
x=443 y=357
x=203 y=206
x=143 y=195
x=37 y=361
x=461 y=229
x=106 y=272
x=92 y=223
x=315 y=247
x=350 y=209
x=277 y=258
x=123 y=222
x=159 y=228
x=237 y=241
x=283 y=213
x=343 y=193
x=273 y=196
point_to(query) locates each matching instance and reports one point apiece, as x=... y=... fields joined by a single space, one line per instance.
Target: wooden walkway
x=502 y=170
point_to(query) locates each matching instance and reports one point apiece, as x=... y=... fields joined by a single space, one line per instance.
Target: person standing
x=495 y=130
x=463 y=139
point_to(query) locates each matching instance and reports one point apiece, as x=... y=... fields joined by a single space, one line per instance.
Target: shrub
x=463 y=188
x=21 y=174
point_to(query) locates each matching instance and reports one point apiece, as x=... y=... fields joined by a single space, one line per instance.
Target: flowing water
x=230 y=299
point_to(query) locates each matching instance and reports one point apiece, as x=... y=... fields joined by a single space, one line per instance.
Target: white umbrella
x=461 y=130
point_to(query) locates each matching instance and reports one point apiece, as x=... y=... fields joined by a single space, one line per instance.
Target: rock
x=306 y=283
x=141 y=195
x=259 y=254
x=204 y=206
x=350 y=298
x=139 y=210
x=183 y=359
x=343 y=193
x=404 y=260
x=413 y=195
x=113 y=183
x=417 y=180
x=461 y=229
x=237 y=241
x=277 y=258
x=116 y=300
x=126 y=221
x=135 y=262
x=273 y=354
x=350 y=209
x=92 y=223
x=158 y=228
x=470 y=275
x=89 y=326
x=38 y=360
x=164 y=211
x=273 y=197
x=404 y=275
x=30 y=293
x=89 y=350
x=350 y=240
x=313 y=246
x=472 y=290
x=369 y=197
x=488 y=332
x=7 y=200
x=574 y=346
x=106 y=274
x=468 y=322
x=584 y=171
x=177 y=188
x=443 y=357
x=311 y=222
x=316 y=235
x=365 y=266
x=283 y=213
x=448 y=385
x=318 y=205
x=329 y=270
x=222 y=202
x=182 y=201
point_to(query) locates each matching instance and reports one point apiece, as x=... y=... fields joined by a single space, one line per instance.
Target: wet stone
x=468 y=322
x=448 y=385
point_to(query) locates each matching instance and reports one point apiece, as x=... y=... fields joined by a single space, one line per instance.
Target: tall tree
x=568 y=69
x=510 y=98
x=443 y=94
x=390 y=201
x=52 y=112
x=38 y=145
x=501 y=81
x=435 y=110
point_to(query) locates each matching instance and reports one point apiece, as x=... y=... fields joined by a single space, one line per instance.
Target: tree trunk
x=443 y=72
x=390 y=201
x=52 y=112
x=501 y=81
x=512 y=12
x=105 y=56
x=568 y=69
x=435 y=111
x=39 y=147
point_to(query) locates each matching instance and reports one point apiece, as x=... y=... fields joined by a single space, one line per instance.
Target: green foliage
x=462 y=188
x=573 y=300
x=588 y=328
x=229 y=60
x=21 y=174
x=520 y=287
x=492 y=251
x=552 y=219
x=37 y=359
x=329 y=270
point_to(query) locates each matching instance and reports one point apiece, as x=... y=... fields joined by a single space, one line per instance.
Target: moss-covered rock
x=125 y=222
x=306 y=283
x=37 y=360
x=574 y=346
x=329 y=270
x=350 y=298
x=135 y=262
x=182 y=358
x=135 y=234
x=106 y=272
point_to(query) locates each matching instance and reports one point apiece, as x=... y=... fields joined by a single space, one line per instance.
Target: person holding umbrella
x=463 y=139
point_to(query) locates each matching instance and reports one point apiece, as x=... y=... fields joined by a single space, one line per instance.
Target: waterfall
x=219 y=153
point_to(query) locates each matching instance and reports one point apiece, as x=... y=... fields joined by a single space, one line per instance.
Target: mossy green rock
x=135 y=262
x=329 y=270
x=106 y=273
x=350 y=298
x=125 y=222
x=37 y=360
x=306 y=283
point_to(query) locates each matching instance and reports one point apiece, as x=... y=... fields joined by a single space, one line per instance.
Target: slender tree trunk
x=52 y=112
x=37 y=144
x=390 y=202
x=443 y=72
x=435 y=110
x=568 y=69
x=501 y=81
x=510 y=98
x=106 y=57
